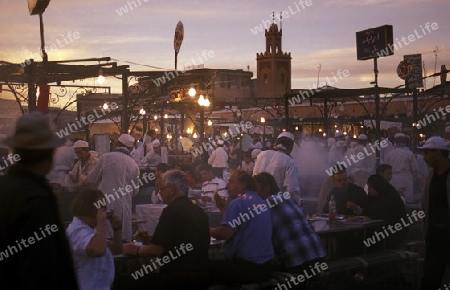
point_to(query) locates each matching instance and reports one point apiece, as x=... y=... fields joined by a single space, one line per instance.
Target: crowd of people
x=256 y=193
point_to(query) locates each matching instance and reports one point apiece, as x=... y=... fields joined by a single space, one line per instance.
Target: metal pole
x=44 y=54
x=377 y=108
x=202 y=124
x=29 y=69
x=125 y=123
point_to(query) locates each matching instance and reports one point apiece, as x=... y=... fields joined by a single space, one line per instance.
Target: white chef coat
x=114 y=172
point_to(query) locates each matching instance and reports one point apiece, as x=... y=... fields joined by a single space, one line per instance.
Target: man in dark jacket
x=34 y=251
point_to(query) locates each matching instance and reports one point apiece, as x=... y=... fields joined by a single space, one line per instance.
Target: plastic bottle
x=332 y=209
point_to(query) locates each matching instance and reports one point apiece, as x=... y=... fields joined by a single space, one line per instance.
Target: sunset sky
x=322 y=32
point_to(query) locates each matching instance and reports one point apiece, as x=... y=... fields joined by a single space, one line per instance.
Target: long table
x=343 y=238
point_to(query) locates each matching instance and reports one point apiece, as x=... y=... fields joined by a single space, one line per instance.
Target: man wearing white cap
x=362 y=169
x=219 y=161
x=280 y=164
x=384 y=151
x=152 y=158
x=116 y=175
x=63 y=162
x=436 y=205
x=85 y=164
x=404 y=167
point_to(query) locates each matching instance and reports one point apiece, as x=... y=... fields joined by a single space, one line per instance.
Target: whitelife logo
x=161 y=262
x=302 y=95
x=168 y=76
x=433 y=117
x=265 y=24
x=411 y=38
x=341 y=164
x=398 y=227
x=84 y=121
x=109 y=198
x=11 y=250
x=258 y=209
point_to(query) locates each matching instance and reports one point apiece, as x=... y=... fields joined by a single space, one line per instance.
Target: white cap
x=80 y=144
x=400 y=135
x=435 y=142
x=362 y=137
x=220 y=142
x=288 y=135
x=156 y=143
x=255 y=153
x=126 y=140
x=341 y=144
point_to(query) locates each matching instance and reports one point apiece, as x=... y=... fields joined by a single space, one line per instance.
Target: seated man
x=247 y=230
x=181 y=238
x=295 y=242
x=350 y=198
x=210 y=186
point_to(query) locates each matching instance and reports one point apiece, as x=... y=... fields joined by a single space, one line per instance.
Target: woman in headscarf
x=386 y=204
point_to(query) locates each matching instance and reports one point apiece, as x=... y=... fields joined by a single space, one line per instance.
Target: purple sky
x=321 y=33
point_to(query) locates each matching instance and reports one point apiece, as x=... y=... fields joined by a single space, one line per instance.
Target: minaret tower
x=273 y=65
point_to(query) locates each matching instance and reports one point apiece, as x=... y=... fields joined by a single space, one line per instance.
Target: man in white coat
x=219 y=161
x=280 y=164
x=117 y=176
x=404 y=167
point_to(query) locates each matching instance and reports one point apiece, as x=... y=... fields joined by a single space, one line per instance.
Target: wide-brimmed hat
x=33 y=131
x=127 y=140
x=435 y=142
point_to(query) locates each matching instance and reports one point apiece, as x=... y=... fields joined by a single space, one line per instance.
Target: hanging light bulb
x=105 y=106
x=155 y=117
x=206 y=102
x=209 y=123
x=142 y=111
x=192 y=92
x=188 y=131
x=201 y=100
x=195 y=136
x=100 y=78
x=166 y=116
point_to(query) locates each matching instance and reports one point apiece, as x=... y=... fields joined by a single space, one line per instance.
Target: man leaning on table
x=182 y=225
x=350 y=198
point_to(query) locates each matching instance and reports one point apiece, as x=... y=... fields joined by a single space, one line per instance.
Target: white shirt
x=209 y=188
x=63 y=162
x=257 y=145
x=384 y=151
x=113 y=173
x=92 y=272
x=402 y=160
x=219 y=158
x=283 y=169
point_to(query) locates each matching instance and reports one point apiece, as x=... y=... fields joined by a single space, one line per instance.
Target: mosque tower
x=273 y=66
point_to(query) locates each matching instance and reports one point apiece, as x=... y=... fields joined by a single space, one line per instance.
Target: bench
x=369 y=269
x=276 y=279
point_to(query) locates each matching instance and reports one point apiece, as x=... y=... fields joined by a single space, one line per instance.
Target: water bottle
x=332 y=209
